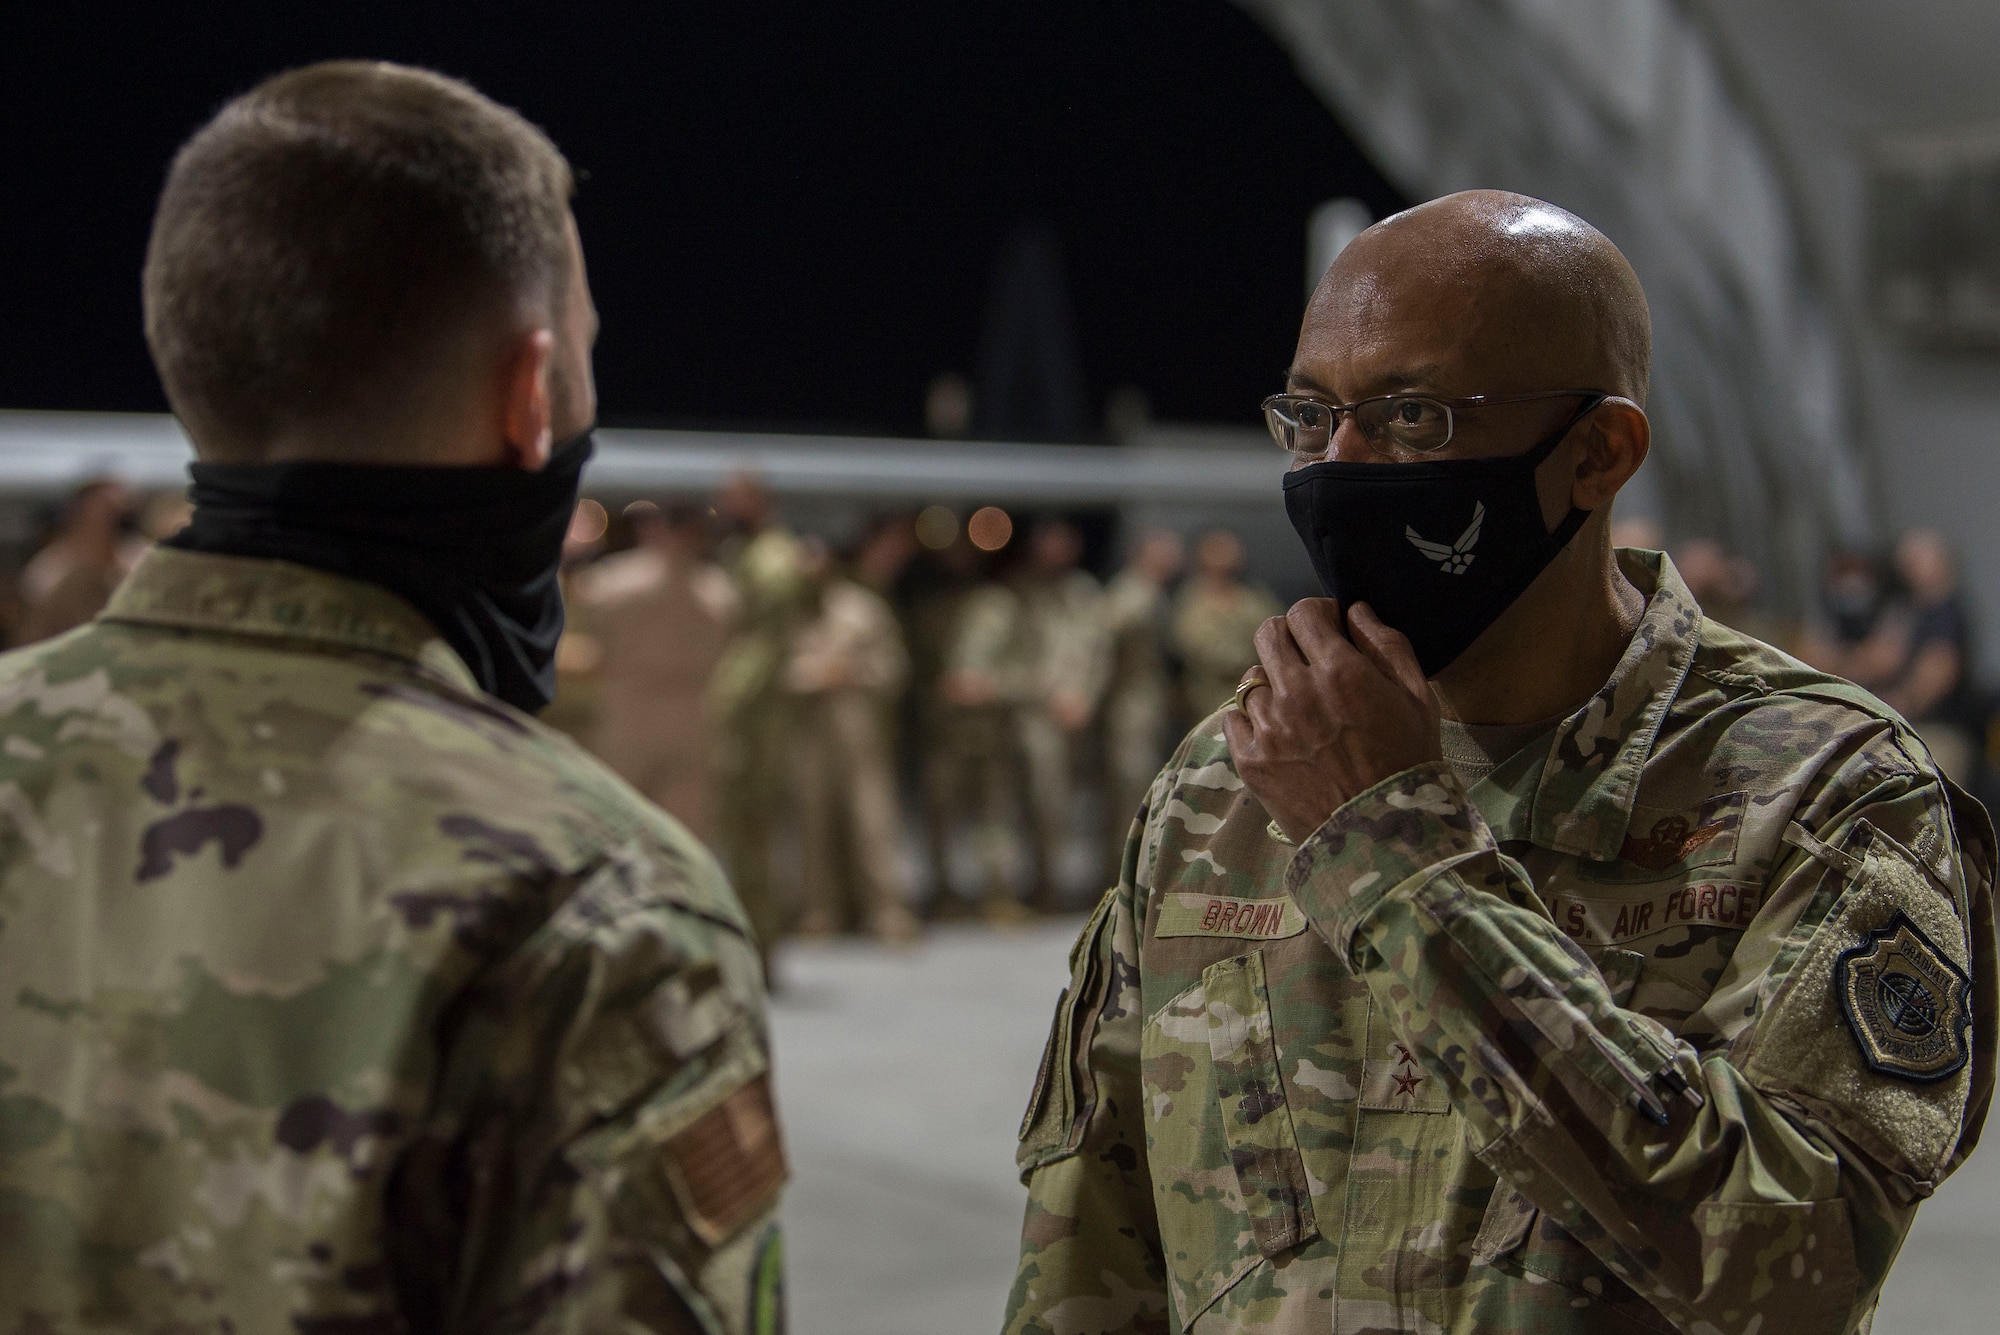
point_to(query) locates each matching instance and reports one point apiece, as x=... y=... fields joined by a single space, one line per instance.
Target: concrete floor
x=903 y=1075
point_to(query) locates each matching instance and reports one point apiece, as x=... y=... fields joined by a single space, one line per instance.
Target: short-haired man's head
x=1497 y=278
x=333 y=235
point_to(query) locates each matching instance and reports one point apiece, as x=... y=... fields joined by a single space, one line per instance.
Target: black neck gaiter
x=476 y=550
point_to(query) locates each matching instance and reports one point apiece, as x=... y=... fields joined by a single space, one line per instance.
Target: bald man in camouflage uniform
x=340 y=993
x=1660 y=1011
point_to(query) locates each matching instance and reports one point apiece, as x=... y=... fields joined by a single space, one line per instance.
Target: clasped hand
x=1342 y=711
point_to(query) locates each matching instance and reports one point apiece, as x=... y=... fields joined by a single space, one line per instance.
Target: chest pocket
x=1230 y=1184
x=1256 y=1121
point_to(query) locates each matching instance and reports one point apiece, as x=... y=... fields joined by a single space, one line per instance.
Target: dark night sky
x=792 y=211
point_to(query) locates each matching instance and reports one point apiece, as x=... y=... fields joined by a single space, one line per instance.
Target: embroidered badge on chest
x=1907 y=1004
x=1670 y=842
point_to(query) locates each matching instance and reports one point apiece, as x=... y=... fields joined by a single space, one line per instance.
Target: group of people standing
x=1520 y=948
x=99 y=534
x=789 y=700
x=1894 y=621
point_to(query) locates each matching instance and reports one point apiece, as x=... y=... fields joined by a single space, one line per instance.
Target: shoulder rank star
x=1907 y=1003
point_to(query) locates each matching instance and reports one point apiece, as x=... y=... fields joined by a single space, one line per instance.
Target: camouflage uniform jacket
x=774 y=599
x=336 y=996
x=1214 y=631
x=1134 y=616
x=1661 y=1026
x=1071 y=637
x=990 y=639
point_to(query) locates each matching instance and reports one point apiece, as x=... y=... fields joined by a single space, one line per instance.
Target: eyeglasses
x=1304 y=427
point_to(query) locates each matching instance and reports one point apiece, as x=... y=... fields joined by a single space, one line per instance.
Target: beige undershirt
x=1475 y=750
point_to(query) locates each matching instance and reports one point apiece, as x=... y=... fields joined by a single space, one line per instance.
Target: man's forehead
x=1386 y=340
x=1461 y=329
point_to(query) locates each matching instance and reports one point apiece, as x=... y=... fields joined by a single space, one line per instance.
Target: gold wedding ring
x=1243 y=689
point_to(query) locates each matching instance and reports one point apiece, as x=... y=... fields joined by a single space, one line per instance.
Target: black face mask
x=1438 y=549
x=476 y=550
x=1855 y=605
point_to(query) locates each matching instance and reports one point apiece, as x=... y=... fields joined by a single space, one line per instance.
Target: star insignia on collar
x=1407 y=1083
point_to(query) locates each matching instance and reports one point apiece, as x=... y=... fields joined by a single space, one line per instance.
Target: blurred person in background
x=660 y=616
x=162 y=515
x=848 y=668
x=1931 y=683
x=979 y=777
x=1138 y=702
x=341 y=993
x=71 y=578
x=1215 y=620
x=573 y=707
x=948 y=737
x=1846 y=637
x=1068 y=647
x=1726 y=587
x=748 y=702
x=1641 y=531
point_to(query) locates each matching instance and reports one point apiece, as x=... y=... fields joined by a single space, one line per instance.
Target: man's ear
x=1616 y=444
x=526 y=417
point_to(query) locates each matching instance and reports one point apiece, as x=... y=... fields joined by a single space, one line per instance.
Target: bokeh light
x=990 y=528
x=589 y=522
x=937 y=527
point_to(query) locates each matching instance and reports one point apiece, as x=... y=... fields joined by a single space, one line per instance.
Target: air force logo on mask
x=1452 y=560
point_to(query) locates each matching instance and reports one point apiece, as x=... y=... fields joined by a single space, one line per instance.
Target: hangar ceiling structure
x=1629 y=113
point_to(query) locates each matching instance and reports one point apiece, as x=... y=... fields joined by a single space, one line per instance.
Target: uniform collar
x=1574 y=794
x=240 y=595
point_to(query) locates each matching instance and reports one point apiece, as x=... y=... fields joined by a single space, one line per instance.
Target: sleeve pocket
x=1065 y=1093
x=1833 y=1042
x=1794 y=1256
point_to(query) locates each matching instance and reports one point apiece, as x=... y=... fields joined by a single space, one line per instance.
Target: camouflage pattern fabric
x=1138 y=700
x=991 y=638
x=754 y=718
x=775 y=599
x=339 y=997
x=977 y=771
x=1214 y=631
x=1070 y=647
x=1070 y=636
x=847 y=669
x=1564 y=1052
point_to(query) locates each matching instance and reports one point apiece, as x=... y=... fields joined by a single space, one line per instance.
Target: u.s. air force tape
x=1183 y=913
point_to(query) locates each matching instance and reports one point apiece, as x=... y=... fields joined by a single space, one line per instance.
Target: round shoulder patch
x=1906 y=1002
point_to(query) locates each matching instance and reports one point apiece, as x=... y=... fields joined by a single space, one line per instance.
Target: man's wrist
x=1379 y=839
